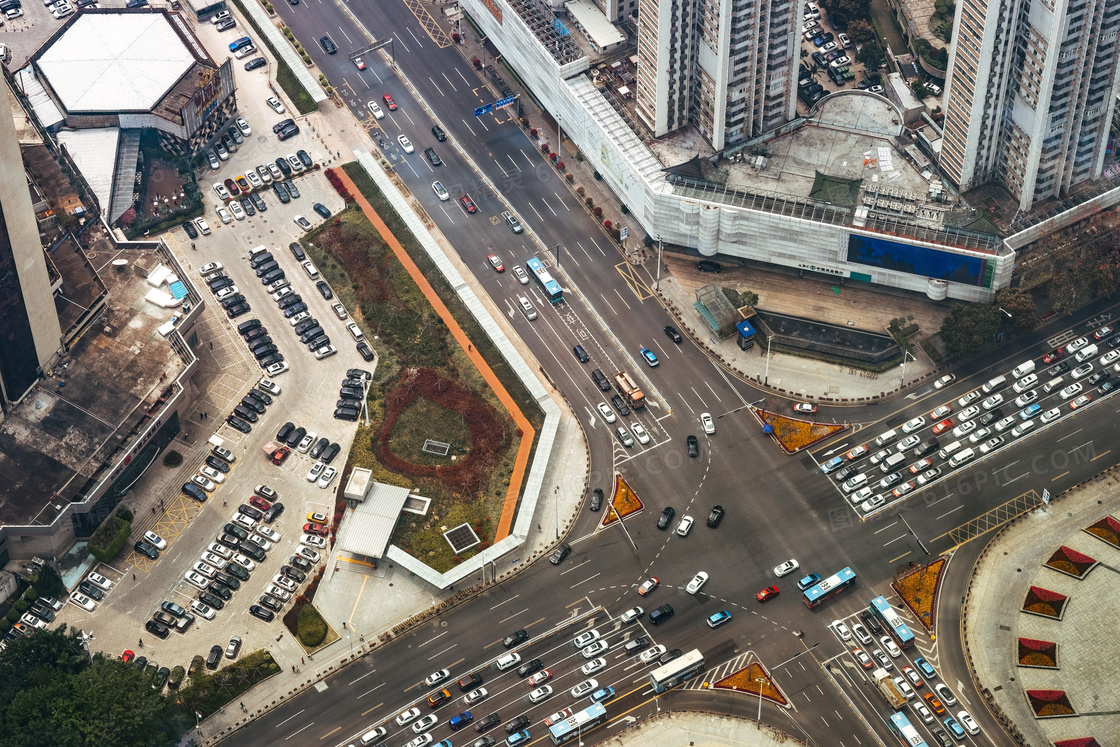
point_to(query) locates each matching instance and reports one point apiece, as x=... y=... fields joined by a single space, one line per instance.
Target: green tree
x=1020 y=305
x=970 y=329
x=861 y=31
x=872 y=56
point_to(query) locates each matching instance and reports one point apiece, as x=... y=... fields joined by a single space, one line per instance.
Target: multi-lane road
x=777 y=506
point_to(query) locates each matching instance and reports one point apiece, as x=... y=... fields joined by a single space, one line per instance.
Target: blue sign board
x=504 y=102
x=483 y=110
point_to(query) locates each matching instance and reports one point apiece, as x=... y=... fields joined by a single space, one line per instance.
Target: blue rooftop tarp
x=178 y=290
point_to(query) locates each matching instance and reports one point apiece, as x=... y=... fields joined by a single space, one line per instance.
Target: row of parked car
x=41 y=613
x=350 y=396
x=90 y=591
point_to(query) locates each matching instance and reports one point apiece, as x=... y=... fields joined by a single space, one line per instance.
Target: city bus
x=550 y=287
x=821 y=592
x=577 y=723
x=899 y=630
x=901 y=727
x=679 y=670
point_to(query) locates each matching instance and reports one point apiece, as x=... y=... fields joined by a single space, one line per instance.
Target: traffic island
x=918 y=591
x=623 y=503
x=755 y=681
x=793 y=434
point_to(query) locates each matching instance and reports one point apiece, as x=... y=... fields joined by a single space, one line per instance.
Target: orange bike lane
x=527 y=430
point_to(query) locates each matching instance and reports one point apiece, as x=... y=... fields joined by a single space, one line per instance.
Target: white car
x=912 y=425
x=540 y=694
x=969 y=398
x=210 y=269
x=244 y=562
x=586 y=638
x=202 y=610
x=475 y=695
x=99 y=581
x=325 y=352
x=1077 y=344
x=155 y=540
x=651 y=654
x=786 y=568
x=275 y=104
x=312 y=540
x=420 y=741
x=212 y=559
x=840 y=629
x=204 y=483
x=904 y=688
x=82 y=601
x=205 y=569
x=964 y=718
x=891 y=647
x=595 y=649
x=194 y=579
x=224 y=215
x=308 y=554
x=593 y=666
x=213 y=474
x=606 y=412
x=260 y=542
x=229 y=290
x=406 y=144
x=243 y=126
x=327 y=476
x=640 y=433
x=32 y=620
x=221 y=551
x=964 y=429
x=697 y=582
x=203 y=226
x=1071 y=390
x=940 y=412
x=285 y=291
x=237 y=210
x=685 y=526
x=277 y=174
x=246 y=521
x=407 y=716
x=584 y=688
x=315 y=471
x=944 y=381
x=444 y=195
x=708 y=424
x=339 y=310
x=436 y=677
x=994 y=401
x=271 y=534
x=1051 y=414
x=425 y=723
x=520 y=274
x=282 y=594
x=221 y=190
x=375 y=110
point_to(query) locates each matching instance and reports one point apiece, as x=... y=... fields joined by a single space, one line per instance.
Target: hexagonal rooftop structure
x=115 y=62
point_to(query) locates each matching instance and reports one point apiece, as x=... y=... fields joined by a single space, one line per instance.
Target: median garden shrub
x=310 y=626
x=109 y=538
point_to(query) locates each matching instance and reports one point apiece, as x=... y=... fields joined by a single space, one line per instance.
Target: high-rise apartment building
x=1031 y=92
x=729 y=67
x=30 y=335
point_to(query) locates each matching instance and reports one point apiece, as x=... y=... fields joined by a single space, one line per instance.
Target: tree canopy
x=970 y=329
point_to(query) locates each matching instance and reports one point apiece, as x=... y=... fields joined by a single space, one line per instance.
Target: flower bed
x=1050 y=703
x=624 y=502
x=1040 y=654
x=1081 y=742
x=918 y=591
x=793 y=434
x=751 y=680
x=1071 y=562
x=1106 y=530
x=1045 y=603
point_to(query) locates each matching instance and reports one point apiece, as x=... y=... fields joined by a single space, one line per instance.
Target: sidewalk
x=694 y=729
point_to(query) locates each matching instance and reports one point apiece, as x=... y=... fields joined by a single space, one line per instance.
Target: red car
x=649 y=585
x=260 y=503
x=1102 y=333
x=127 y=656
x=232 y=188
x=389 y=102
x=1054 y=355
x=318 y=529
x=944 y=425
x=280 y=455
x=863 y=659
x=766 y=594
x=468 y=204
x=496 y=262
x=857 y=452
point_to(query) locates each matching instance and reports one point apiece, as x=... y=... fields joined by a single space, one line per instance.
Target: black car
x=236 y=531
x=1098 y=377
x=235 y=311
x=693 y=447
x=190 y=229
x=288 y=132
x=261 y=205
x=349 y=392
x=305 y=325
x=209 y=599
x=254 y=334
x=271 y=602
x=561 y=552
x=239 y=424
x=237 y=570
x=293 y=190
x=330 y=453
x=364 y=350
x=297 y=251
x=433 y=157
x=194 y=491
x=248 y=326
x=666 y=517
x=661 y=614
x=620 y=405
x=293 y=573
x=715 y=517
x=346 y=413
x=596 y=499
x=260 y=259
x=285 y=431
x=439 y=133
x=1107 y=387
x=487 y=723
x=1059 y=369
x=219 y=464
x=254 y=63
x=850 y=471
x=871 y=621
x=266 y=268
x=252 y=549
x=668 y=656
x=157 y=629
x=318 y=447
x=245 y=413
x=273 y=513
x=269 y=359
x=227 y=581
x=324 y=290
x=247 y=206
x=601 y=380
x=217 y=284
x=259 y=396
x=310 y=334
x=321 y=209
x=300 y=562
x=317 y=342
x=91 y=591
x=707 y=265
x=581 y=354
x=215 y=657
x=44 y=613
x=672 y=333
x=233 y=300
x=289 y=300
x=261 y=613
x=219 y=591
x=328 y=45
x=942 y=738
x=470 y=682
x=304 y=158
x=990 y=417
x=519 y=637
x=294 y=309
x=147 y=549
x=529 y=667
x=518 y=724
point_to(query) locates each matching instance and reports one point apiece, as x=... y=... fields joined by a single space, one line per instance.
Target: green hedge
x=109 y=538
x=287 y=79
x=207 y=693
x=311 y=627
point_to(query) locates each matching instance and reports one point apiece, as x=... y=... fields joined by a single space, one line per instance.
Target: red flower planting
x=1044 y=602
x=1082 y=742
x=1071 y=562
x=1106 y=530
x=1050 y=703
x=1033 y=653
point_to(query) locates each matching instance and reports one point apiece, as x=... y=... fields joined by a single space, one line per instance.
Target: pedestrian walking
x=301 y=660
x=141 y=643
x=133 y=576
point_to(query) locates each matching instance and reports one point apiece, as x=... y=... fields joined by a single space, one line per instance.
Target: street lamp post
x=622 y=524
x=906 y=354
x=660 y=246
x=766 y=376
x=556 y=506
x=758 y=721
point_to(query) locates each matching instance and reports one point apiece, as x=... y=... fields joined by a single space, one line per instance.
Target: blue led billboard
x=916 y=260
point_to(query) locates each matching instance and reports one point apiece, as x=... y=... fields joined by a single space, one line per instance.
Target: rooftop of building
x=118 y=61
x=64 y=432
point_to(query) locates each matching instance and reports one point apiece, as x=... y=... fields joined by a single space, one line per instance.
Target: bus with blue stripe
x=899 y=630
x=822 y=591
x=901 y=727
x=577 y=724
x=550 y=287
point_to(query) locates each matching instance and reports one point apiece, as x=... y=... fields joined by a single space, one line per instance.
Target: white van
x=310 y=269
x=1023 y=369
x=1022 y=428
x=945 y=452
x=527 y=308
x=886 y=438
x=854 y=482
x=1086 y=353
x=1053 y=384
x=370 y=737
x=890 y=463
x=995 y=384
x=508 y=662
x=257 y=250
x=961 y=457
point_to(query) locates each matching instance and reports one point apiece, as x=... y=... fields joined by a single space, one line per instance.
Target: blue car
x=1029 y=412
x=954 y=728
x=513 y=739
x=718 y=619
x=832 y=464
x=924 y=667
x=651 y=359
x=602 y=694
x=808 y=581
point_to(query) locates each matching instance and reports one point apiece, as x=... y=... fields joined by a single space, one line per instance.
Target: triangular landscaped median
x=794 y=434
x=918 y=591
x=753 y=680
x=623 y=503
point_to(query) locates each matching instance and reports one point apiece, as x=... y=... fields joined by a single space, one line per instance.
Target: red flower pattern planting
x=487 y=435
x=1034 y=653
x=1071 y=562
x=338 y=185
x=1050 y=703
x=1082 y=742
x=1107 y=530
x=1044 y=602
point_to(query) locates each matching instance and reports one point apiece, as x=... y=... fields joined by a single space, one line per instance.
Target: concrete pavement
x=695 y=729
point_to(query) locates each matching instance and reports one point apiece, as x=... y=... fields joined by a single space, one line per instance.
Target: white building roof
x=601 y=31
x=45 y=110
x=95 y=153
x=115 y=63
x=370 y=527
